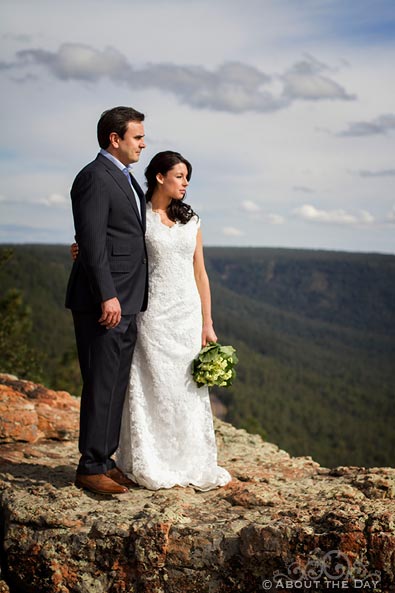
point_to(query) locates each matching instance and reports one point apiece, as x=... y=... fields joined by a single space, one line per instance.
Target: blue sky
x=286 y=110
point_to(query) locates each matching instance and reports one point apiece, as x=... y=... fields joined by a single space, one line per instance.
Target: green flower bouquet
x=214 y=365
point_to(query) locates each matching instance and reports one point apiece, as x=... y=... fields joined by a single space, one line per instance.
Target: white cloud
x=275 y=219
x=381 y=173
x=304 y=80
x=379 y=125
x=365 y=217
x=250 y=206
x=310 y=213
x=55 y=200
x=391 y=215
x=302 y=188
x=78 y=61
x=230 y=231
x=257 y=214
x=233 y=86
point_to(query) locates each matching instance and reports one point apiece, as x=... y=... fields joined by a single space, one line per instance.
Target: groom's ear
x=160 y=178
x=114 y=140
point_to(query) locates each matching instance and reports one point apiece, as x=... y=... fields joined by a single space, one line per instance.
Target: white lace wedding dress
x=167 y=434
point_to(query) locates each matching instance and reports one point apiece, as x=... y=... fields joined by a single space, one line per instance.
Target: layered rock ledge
x=283 y=523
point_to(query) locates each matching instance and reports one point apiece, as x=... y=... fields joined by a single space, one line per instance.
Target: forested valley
x=314 y=332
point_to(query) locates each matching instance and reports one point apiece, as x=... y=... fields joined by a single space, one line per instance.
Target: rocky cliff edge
x=283 y=523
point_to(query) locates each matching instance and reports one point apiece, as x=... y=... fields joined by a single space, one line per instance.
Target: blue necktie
x=125 y=171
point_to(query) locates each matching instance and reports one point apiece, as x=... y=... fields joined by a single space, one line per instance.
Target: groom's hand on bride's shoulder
x=111 y=313
x=74 y=250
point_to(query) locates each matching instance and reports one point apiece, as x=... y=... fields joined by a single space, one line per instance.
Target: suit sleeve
x=90 y=210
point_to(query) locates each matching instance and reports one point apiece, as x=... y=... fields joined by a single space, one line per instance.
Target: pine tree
x=16 y=356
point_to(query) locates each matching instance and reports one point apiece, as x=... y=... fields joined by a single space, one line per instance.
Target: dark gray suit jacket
x=112 y=260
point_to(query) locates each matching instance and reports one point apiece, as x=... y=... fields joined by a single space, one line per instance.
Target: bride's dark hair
x=162 y=162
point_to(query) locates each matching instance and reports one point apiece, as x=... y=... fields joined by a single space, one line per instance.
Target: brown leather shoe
x=119 y=477
x=99 y=484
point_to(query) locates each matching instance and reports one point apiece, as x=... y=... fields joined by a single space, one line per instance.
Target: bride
x=167 y=434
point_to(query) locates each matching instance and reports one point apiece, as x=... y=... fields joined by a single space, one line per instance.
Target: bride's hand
x=208 y=334
x=74 y=251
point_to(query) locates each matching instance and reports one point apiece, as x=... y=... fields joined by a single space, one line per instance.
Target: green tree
x=67 y=374
x=16 y=356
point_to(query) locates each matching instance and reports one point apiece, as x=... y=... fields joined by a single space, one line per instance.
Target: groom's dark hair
x=115 y=120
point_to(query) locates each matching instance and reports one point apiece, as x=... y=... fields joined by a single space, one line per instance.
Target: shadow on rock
x=25 y=475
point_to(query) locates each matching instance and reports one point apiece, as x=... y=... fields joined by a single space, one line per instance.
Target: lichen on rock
x=278 y=516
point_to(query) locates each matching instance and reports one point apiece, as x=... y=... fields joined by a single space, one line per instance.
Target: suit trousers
x=105 y=356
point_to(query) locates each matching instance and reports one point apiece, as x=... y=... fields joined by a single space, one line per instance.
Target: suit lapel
x=123 y=183
x=141 y=197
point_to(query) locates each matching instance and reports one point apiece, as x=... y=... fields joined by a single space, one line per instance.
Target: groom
x=107 y=287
